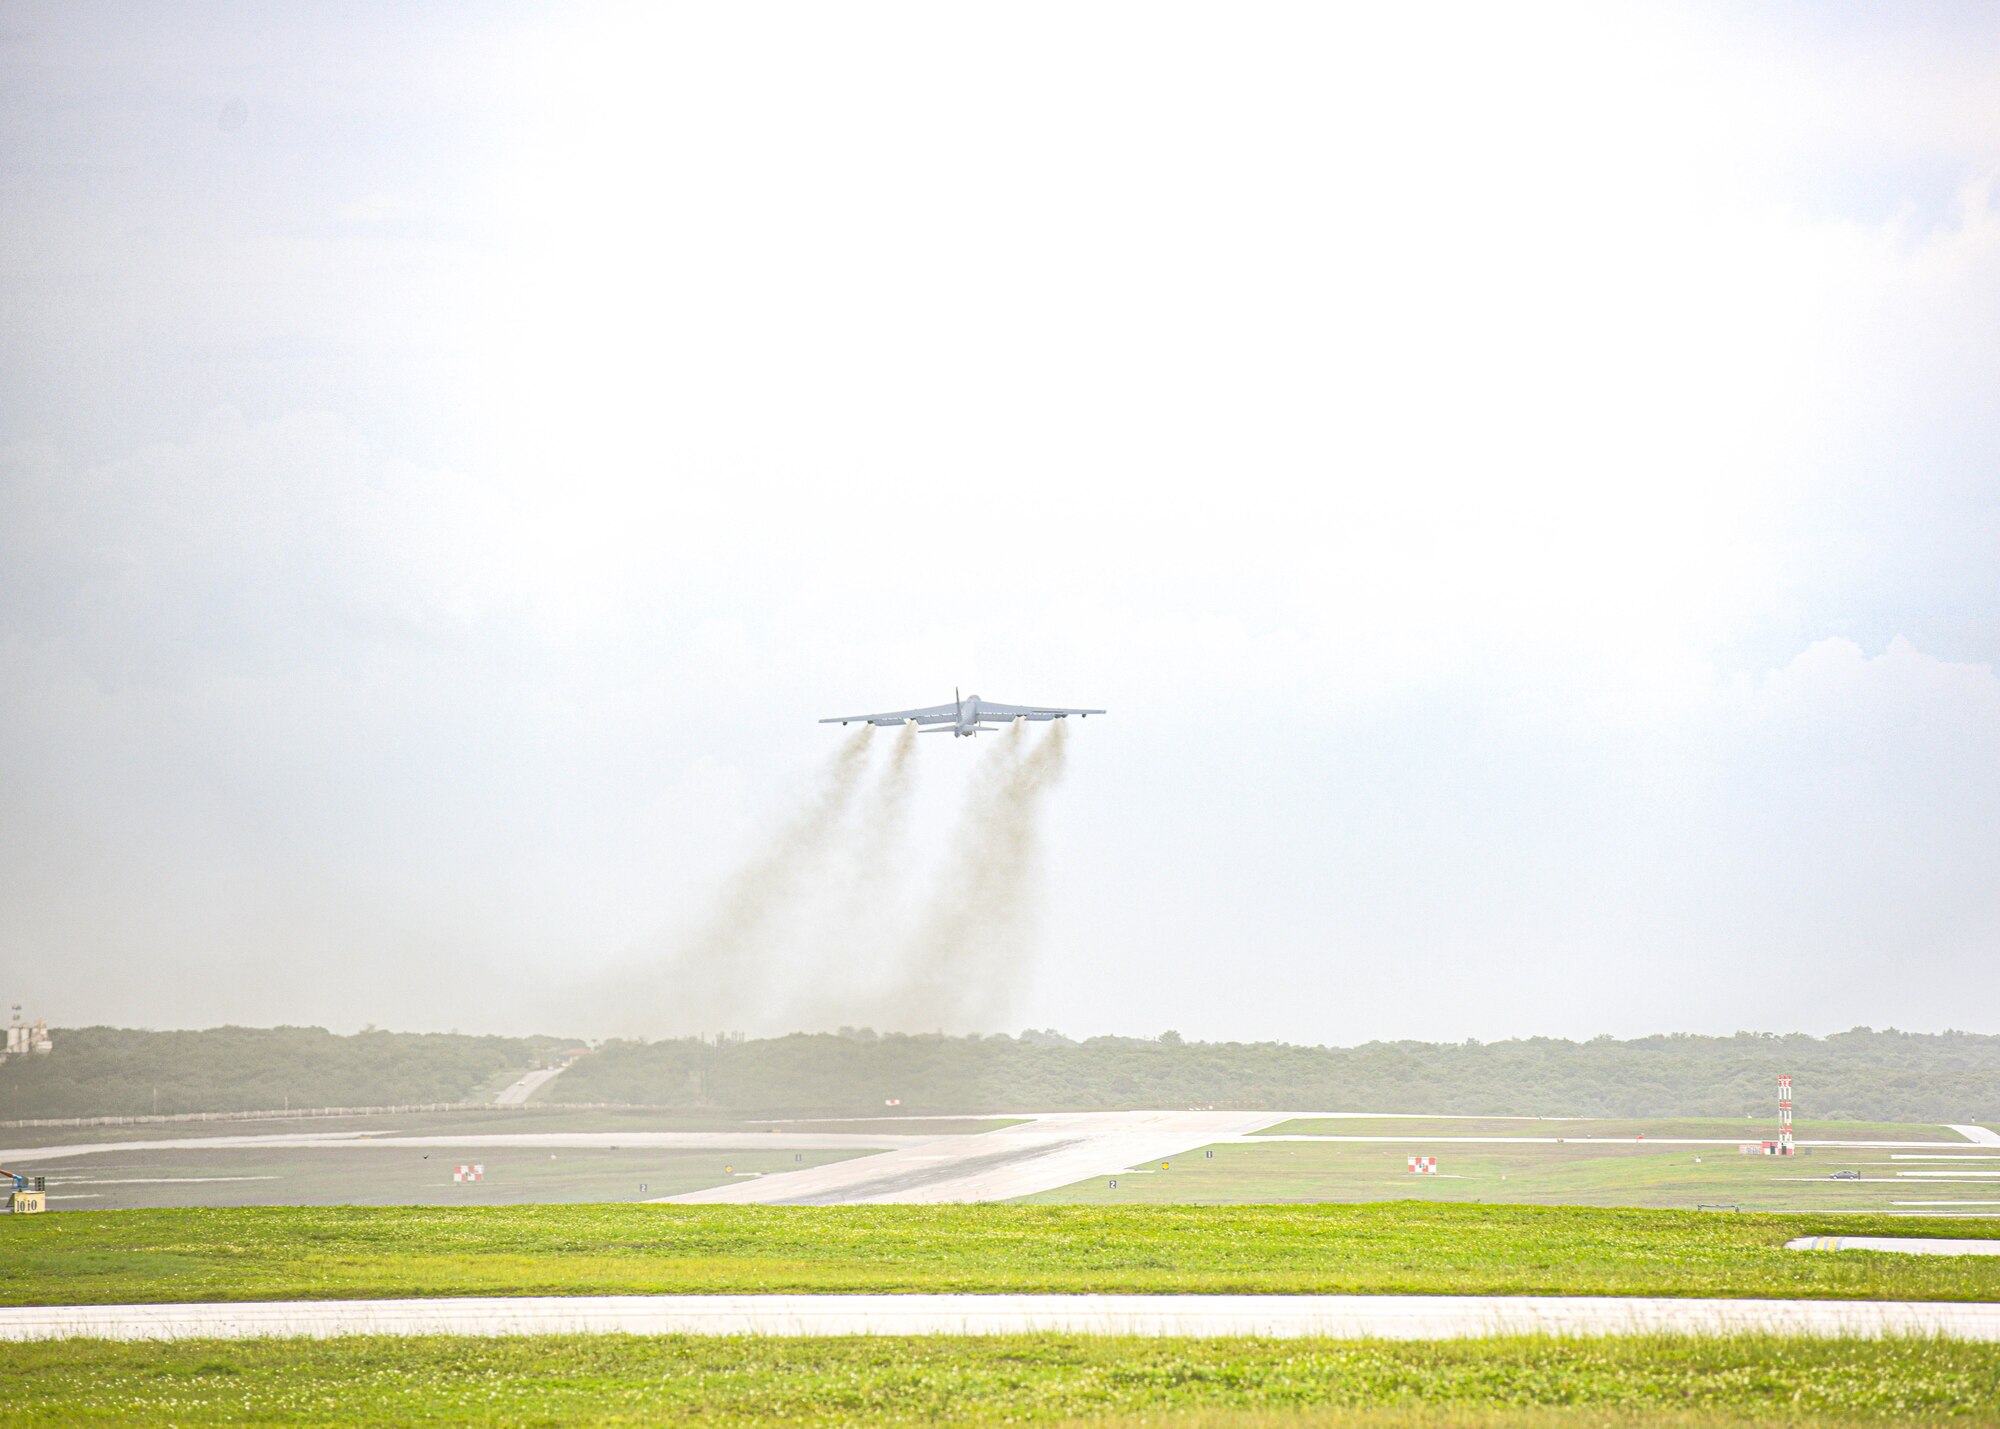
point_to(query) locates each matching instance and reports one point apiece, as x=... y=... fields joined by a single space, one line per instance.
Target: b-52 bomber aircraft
x=963 y=717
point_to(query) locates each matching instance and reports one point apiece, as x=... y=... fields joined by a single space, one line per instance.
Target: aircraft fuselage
x=968 y=718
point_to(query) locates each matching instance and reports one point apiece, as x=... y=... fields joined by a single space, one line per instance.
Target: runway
x=533 y=1140
x=1044 y=1152
x=1389 y=1317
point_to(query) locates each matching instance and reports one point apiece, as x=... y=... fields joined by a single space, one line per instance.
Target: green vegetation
x=1854 y=1076
x=87 y=1257
x=109 y=1071
x=1575 y=1173
x=1004 y=1380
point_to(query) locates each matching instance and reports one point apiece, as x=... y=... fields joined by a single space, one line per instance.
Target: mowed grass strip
x=1399 y=1247
x=1578 y=1173
x=1015 y=1379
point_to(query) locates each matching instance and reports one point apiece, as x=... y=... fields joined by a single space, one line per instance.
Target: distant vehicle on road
x=1845 y=1176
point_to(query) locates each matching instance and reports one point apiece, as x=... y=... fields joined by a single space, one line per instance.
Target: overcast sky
x=1525 y=481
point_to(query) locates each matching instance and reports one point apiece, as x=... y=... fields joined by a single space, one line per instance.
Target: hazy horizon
x=1525 y=485
x=1069 y=1036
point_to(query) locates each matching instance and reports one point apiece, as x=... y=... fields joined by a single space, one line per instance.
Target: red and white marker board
x=469 y=1173
x=1424 y=1165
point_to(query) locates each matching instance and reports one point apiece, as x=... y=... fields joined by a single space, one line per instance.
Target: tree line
x=116 y=1071
x=1861 y=1075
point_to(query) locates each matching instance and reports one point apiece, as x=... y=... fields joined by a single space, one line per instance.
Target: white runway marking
x=1395 y=1317
x=1054 y=1150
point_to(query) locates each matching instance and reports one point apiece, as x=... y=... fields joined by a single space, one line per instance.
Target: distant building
x=24 y=1038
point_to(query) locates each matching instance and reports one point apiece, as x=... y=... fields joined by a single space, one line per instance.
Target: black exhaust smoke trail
x=883 y=818
x=879 y=835
x=720 y=974
x=858 y=914
x=971 y=950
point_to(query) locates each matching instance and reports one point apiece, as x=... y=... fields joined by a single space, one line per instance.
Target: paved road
x=518 y=1093
x=1984 y=1135
x=1395 y=1317
x=1039 y=1155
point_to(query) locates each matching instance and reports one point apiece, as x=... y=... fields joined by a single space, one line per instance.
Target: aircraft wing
x=987 y=707
x=930 y=714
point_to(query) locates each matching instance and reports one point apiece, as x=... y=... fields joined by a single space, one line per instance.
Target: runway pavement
x=1394 y=1317
x=551 y=1140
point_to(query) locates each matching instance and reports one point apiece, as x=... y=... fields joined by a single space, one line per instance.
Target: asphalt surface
x=548 y=1140
x=1395 y=1317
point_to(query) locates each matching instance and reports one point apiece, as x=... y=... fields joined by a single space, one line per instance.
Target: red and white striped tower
x=1784 y=1116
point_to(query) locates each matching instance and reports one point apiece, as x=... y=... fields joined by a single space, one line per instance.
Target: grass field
x=1577 y=1173
x=1722 y=1128
x=1013 y=1380
x=1399 y=1247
